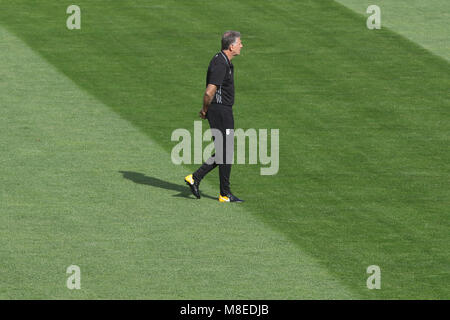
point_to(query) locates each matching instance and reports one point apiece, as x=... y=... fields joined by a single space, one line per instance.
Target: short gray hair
x=229 y=38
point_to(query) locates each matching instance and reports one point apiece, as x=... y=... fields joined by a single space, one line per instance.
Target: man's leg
x=228 y=153
x=205 y=168
x=193 y=180
x=214 y=119
x=227 y=129
x=224 y=175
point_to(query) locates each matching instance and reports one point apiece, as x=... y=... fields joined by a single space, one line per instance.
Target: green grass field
x=86 y=176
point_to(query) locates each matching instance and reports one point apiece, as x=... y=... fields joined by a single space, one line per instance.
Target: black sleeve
x=217 y=73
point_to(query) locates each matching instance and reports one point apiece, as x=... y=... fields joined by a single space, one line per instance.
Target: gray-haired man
x=218 y=101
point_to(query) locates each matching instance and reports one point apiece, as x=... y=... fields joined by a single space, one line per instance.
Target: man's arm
x=207 y=98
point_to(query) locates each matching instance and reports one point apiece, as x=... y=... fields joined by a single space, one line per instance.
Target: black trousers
x=220 y=117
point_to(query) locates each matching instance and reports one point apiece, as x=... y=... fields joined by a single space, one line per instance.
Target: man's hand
x=202 y=114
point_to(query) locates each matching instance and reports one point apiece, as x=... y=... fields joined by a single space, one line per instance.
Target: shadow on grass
x=183 y=190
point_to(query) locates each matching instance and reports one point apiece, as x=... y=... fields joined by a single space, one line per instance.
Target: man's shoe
x=193 y=184
x=229 y=198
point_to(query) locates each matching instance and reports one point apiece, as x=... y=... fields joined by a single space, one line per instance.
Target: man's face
x=236 y=48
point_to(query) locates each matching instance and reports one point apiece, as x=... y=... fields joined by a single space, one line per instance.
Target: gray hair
x=229 y=38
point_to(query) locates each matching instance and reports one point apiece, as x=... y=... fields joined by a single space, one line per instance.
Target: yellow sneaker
x=229 y=198
x=223 y=199
x=190 y=181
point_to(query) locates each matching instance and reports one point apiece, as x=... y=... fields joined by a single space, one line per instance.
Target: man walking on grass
x=218 y=101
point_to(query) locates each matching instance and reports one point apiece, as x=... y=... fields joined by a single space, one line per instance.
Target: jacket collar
x=226 y=58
